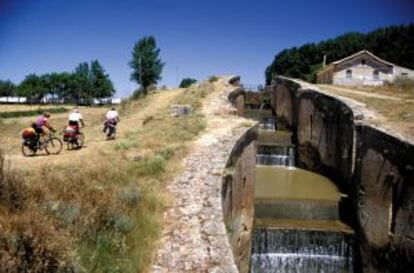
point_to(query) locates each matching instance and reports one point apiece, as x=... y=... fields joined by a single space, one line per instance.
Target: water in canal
x=297 y=227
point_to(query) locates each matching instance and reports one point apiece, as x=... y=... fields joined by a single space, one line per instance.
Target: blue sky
x=197 y=38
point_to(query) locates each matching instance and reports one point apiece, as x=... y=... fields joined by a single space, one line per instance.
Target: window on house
x=349 y=73
x=404 y=74
x=363 y=62
x=376 y=75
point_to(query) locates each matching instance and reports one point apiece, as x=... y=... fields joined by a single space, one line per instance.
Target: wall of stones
x=238 y=194
x=372 y=167
x=383 y=197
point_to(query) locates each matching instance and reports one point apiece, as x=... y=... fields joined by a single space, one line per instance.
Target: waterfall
x=268 y=124
x=276 y=156
x=300 y=251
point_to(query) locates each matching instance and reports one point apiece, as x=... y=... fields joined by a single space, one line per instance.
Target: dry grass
x=397 y=115
x=395 y=90
x=105 y=201
x=26 y=107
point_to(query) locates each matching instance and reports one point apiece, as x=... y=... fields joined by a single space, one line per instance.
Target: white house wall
x=401 y=71
x=361 y=75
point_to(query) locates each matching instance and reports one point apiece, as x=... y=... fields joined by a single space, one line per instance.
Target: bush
x=404 y=83
x=12 y=188
x=187 y=82
x=33 y=243
x=213 y=79
x=150 y=166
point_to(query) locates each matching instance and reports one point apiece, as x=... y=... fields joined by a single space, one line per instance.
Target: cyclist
x=76 y=119
x=42 y=121
x=111 y=119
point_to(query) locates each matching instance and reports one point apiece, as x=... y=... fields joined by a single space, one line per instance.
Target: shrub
x=150 y=166
x=213 y=79
x=33 y=243
x=187 y=82
x=404 y=83
x=12 y=188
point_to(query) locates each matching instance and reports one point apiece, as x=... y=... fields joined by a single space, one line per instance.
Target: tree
x=394 y=44
x=146 y=63
x=80 y=82
x=187 y=82
x=32 y=87
x=101 y=85
x=7 y=88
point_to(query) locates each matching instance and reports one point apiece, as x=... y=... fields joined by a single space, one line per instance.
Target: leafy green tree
x=146 y=63
x=394 y=44
x=32 y=87
x=101 y=85
x=7 y=88
x=80 y=81
x=187 y=82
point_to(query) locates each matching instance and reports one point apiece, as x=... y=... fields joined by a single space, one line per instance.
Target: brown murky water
x=274 y=182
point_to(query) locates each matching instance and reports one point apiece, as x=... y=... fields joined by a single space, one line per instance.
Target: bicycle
x=73 y=138
x=109 y=130
x=76 y=142
x=51 y=144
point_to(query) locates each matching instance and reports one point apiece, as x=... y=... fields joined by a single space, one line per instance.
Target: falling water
x=301 y=251
x=268 y=124
x=276 y=155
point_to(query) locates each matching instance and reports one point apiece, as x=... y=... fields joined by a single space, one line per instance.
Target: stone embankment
x=336 y=137
x=194 y=237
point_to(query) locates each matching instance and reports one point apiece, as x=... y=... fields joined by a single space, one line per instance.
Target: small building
x=362 y=68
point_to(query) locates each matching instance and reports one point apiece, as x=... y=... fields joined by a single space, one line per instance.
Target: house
x=362 y=68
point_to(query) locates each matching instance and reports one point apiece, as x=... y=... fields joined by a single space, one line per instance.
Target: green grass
x=29 y=113
x=125 y=144
x=108 y=212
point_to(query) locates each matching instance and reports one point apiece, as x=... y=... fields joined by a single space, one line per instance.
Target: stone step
x=296 y=209
x=274 y=138
x=258 y=114
x=315 y=225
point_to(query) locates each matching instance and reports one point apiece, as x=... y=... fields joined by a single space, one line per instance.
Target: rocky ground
x=194 y=237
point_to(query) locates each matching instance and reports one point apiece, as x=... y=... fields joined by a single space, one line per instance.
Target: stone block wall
x=374 y=168
x=238 y=197
x=383 y=195
x=322 y=128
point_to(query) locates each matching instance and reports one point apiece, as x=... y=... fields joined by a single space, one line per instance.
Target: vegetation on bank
x=187 y=82
x=99 y=214
x=394 y=44
x=28 y=113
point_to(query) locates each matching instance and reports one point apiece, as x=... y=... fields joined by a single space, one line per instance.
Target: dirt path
x=360 y=93
x=392 y=114
x=95 y=143
x=194 y=237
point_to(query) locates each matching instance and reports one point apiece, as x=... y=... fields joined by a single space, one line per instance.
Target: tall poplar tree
x=146 y=63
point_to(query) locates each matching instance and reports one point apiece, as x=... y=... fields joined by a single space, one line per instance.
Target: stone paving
x=194 y=237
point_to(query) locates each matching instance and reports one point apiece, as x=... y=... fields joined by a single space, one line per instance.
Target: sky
x=197 y=38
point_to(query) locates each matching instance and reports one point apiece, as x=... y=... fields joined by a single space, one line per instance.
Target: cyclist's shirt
x=40 y=121
x=76 y=117
x=111 y=115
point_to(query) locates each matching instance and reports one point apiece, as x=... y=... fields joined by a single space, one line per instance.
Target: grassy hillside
x=394 y=44
x=97 y=209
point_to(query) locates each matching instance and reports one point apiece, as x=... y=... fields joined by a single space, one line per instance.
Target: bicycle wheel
x=80 y=140
x=53 y=146
x=27 y=149
x=69 y=145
